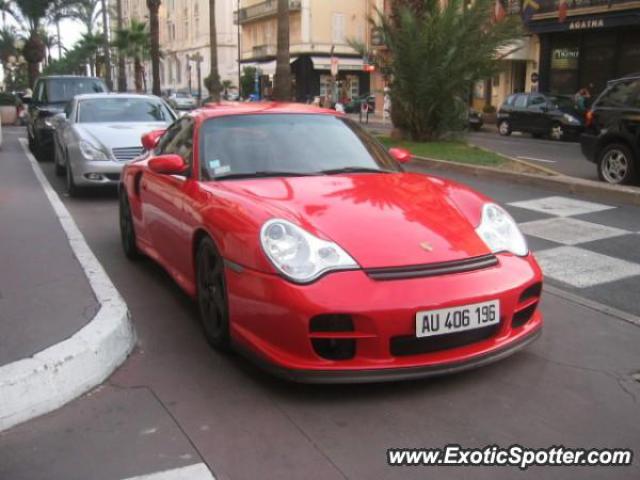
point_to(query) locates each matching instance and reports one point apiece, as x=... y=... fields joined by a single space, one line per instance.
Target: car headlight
x=299 y=255
x=90 y=152
x=570 y=119
x=500 y=232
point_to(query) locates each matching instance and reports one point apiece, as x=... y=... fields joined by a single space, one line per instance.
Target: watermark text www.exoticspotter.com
x=513 y=456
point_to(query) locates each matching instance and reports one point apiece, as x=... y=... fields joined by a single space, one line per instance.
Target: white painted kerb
x=62 y=372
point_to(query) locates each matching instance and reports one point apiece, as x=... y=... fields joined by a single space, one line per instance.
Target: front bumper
x=96 y=174
x=270 y=321
x=588 y=144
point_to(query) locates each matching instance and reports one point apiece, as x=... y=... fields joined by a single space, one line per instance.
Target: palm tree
x=122 y=76
x=31 y=15
x=133 y=42
x=226 y=86
x=282 y=87
x=154 y=6
x=106 y=44
x=213 y=85
x=90 y=45
x=8 y=49
x=86 y=12
x=49 y=42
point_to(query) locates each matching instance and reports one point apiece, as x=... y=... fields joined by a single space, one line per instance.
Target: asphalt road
x=564 y=157
x=176 y=402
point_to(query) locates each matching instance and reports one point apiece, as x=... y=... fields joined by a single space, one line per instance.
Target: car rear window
x=621 y=94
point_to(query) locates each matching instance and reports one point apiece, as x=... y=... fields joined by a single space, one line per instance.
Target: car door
x=163 y=198
x=536 y=117
x=518 y=112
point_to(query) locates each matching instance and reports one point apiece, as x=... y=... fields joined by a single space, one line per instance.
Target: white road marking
x=50 y=378
x=569 y=231
x=533 y=159
x=199 y=471
x=561 y=206
x=582 y=268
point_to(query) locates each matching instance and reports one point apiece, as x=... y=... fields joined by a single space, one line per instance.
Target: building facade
x=598 y=41
x=319 y=29
x=184 y=39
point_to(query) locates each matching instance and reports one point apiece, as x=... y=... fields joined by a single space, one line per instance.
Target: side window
x=521 y=101
x=166 y=139
x=181 y=143
x=510 y=100
x=536 y=102
x=39 y=92
x=622 y=94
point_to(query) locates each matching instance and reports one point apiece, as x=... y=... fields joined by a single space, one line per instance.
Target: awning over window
x=351 y=64
x=266 y=68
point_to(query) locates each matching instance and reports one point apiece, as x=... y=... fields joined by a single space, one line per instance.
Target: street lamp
x=196 y=57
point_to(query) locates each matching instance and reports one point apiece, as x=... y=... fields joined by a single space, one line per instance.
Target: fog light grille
x=335 y=348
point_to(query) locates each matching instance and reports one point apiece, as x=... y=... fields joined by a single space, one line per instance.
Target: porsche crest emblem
x=426 y=246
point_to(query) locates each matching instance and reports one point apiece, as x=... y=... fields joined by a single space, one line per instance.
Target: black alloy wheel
x=212 y=295
x=127 y=231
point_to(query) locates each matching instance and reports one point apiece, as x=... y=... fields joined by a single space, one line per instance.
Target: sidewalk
x=44 y=295
x=64 y=327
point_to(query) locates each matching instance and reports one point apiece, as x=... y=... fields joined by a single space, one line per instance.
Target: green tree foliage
x=134 y=43
x=437 y=51
x=247 y=81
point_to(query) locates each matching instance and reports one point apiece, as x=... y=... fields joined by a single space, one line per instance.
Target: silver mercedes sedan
x=99 y=133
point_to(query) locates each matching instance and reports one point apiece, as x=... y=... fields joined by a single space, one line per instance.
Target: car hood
x=381 y=220
x=116 y=135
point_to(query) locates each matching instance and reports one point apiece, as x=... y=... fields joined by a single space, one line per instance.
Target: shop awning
x=266 y=68
x=351 y=64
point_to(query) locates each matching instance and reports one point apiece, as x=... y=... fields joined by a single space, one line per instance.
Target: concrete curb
x=558 y=183
x=44 y=382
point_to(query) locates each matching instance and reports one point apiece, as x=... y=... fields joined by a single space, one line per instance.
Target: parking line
x=199 y=471
x=536 y=159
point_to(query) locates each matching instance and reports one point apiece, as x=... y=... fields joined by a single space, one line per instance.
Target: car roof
x=212 y=110
x=88 y=96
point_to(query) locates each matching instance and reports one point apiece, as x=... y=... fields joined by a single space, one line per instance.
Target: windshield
x=64 y=89
x=292 y=143
x=97 y=110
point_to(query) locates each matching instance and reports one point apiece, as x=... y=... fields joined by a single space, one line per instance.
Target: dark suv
x=50 y=96
x=540 y=114
x=612 y=138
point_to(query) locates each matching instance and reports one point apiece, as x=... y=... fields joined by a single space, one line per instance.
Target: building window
x=338 y=28
x=178 y=71
x=196 y=20
x=185 y=32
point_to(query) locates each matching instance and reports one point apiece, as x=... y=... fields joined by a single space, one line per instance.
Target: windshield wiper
x=263 y=174
x=333 y=171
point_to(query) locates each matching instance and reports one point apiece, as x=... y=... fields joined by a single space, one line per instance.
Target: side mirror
x=400 y=155
x=150 y=140
x=168 y=165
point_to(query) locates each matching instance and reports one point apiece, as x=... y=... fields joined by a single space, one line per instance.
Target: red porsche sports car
x=311 y=250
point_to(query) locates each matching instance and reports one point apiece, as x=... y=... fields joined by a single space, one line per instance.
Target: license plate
x=457 y=319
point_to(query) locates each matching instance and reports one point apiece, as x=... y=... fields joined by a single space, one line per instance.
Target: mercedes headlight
x=570 y=119
x=500 y=232
x=299 y=255
x=90 y=152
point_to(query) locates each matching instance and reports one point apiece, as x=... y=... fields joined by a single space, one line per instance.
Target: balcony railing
x=263 y=10
x=260 y=51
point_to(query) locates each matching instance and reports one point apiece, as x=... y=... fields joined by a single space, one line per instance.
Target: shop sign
x=586 y=24
x=565 y=58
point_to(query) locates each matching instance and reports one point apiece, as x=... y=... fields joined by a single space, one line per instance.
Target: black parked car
x=612 y=137
x=50 y=96
x=540 y=114
x=475 y=120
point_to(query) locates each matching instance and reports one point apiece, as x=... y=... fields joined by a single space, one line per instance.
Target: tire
x=504 y=128
x=72 y=188
x=127 y=230
x=212 y=295
x=57 y=166
x=557 y=132
x=537 y=135
x=32 y=143
x=617 y=164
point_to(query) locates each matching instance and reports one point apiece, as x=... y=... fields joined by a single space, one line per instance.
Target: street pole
x=239 y=54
